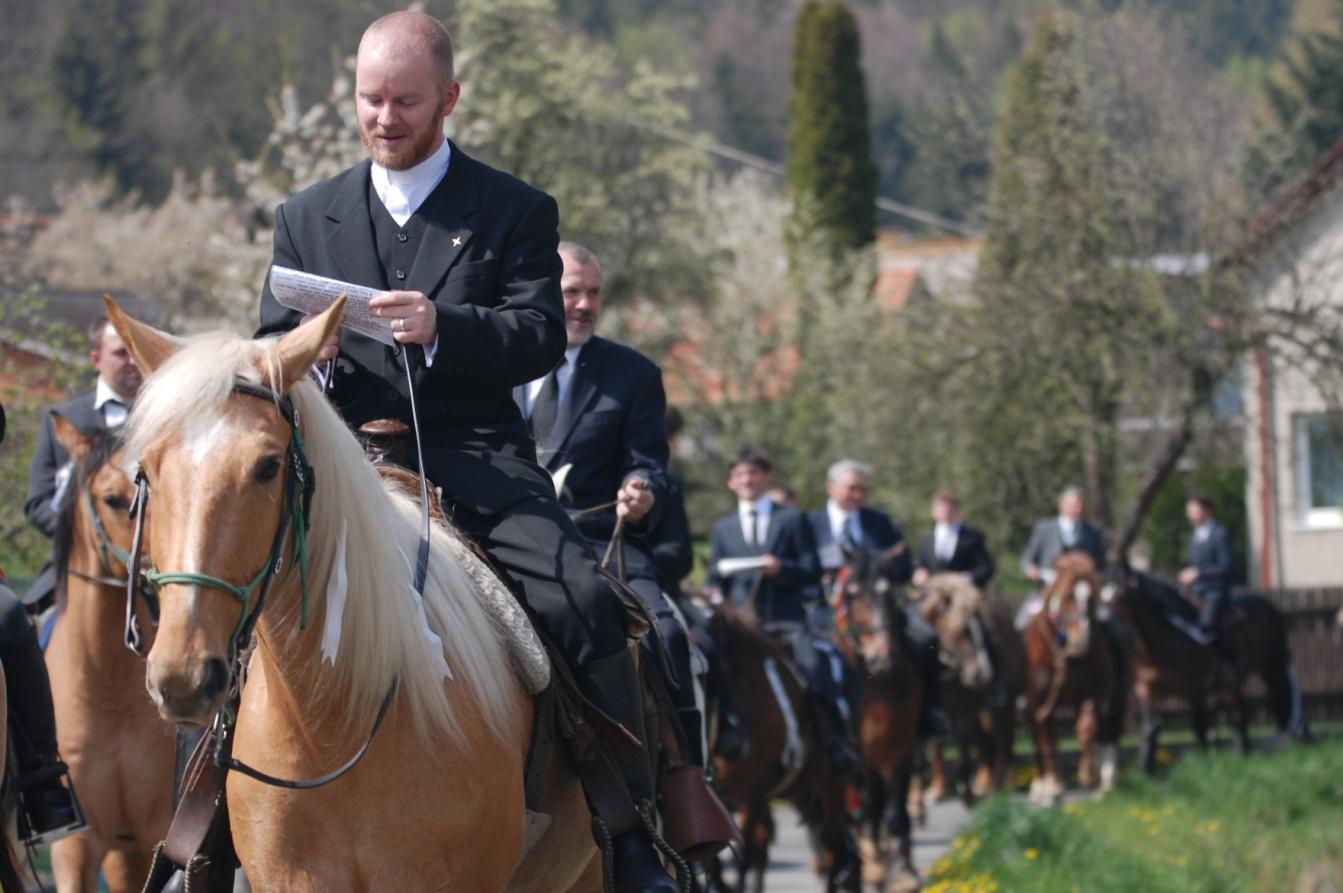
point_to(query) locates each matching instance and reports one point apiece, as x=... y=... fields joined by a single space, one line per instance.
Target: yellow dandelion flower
x=1032 y=852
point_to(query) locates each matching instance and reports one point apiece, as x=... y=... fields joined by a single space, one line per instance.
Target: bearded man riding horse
x=466 y=258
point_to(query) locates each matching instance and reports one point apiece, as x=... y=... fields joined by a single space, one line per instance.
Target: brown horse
x=868 y=634
x=1169 y=661
x=120 y=752
x=781 y=758
x=976 y=642
x=227 y=433
x=1073 y=660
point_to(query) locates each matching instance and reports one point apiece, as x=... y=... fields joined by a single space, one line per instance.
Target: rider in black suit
x=1209 y=571
x=606 y=436
x=783 y=542
x=468 y=256
x=968 y=554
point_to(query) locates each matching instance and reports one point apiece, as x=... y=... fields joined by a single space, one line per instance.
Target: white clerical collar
x=761 y=506
x=402 y=192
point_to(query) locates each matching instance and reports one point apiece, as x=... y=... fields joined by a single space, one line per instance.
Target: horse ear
x=147 y=345
x=299 y=349
x=76 y=442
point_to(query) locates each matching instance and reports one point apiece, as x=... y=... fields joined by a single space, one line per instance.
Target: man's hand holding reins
x=634 y=501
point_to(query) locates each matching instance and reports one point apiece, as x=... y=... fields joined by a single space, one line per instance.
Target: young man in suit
x=49 y=474
x=601 y=414
x=1209 y=571
x=779 y=543
x=952 y=546
x=1068 y=531
x=466 y=256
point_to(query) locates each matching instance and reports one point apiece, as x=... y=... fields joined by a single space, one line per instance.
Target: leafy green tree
x=831 y=179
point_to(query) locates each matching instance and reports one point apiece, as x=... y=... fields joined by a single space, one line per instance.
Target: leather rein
x=300 y=482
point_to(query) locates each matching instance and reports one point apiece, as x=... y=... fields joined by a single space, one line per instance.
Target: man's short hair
x=749 y=455
x=581 y=253
x=424 y=32
x=95 y=332
x=947 y=497
x=1072 y=490
x=846 y=467
x=1203 y=500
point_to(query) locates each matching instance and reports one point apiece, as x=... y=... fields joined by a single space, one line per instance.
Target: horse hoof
x=906 y=881
x=874 y=874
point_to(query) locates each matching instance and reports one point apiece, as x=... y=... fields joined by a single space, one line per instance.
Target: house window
x=1319 y=469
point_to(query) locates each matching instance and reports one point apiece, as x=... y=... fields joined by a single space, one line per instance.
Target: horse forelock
x=383 y=633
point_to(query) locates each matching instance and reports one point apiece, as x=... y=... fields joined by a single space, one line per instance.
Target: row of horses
x=439 y=793
x=1089 y=647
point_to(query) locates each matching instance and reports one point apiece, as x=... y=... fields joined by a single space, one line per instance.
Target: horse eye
x=267 y=469
x=116 y=502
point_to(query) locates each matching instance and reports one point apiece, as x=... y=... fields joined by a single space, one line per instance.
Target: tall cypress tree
x=832 y=181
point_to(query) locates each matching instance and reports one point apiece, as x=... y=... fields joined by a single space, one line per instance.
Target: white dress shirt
x=762 y=508
x=107 y=402
x=563 y=376
x=1202 y=532
x=839 y=519
x=402 y=192
x=1067 y=531
x=944 y=540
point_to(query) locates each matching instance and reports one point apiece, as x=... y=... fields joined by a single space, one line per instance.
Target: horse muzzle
x=190 y=695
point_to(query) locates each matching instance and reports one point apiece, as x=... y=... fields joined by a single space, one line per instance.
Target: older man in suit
x=1068 y=531
x=598 y=420
x=467 y=257
x=762 y=558
x=953 y=547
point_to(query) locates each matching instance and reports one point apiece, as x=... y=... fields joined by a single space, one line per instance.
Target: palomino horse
x=1072 y=660
x=120 y=752
x=782 y=756
x=976 y=642
x=868 y=634
x=228 y=433
x=1168 y=661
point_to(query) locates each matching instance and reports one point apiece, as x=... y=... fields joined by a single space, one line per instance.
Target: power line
x=713 y=147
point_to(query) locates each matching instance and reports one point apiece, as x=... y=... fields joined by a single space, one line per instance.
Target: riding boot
x=692 y=725
x=612 y=684
x=933 y=723
x=729 y=741
x=835 y=734
x=47 y=803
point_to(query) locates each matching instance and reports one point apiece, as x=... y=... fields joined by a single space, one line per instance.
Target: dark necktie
x=754 y=540
x=846 y=540
x=546 y=406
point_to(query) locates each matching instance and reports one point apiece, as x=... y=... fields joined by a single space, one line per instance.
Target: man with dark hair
x=780 y=565
x=466 y=256
x=1209 y=571
x=952 y=547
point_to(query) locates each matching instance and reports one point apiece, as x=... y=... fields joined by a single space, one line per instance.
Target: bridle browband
x=300 y=482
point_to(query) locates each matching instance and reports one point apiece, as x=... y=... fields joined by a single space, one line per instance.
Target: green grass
x=1217 y=823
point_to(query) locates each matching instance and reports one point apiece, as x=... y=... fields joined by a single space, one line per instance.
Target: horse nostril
x=214 y=679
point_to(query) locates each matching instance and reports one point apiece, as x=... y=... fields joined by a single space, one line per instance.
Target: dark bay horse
x=1073 y=660
x=976 y=642
x=870 y=618
x=1169 y=661
x=782 y=756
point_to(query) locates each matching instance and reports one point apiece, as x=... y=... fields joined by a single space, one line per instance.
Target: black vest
x=397 y=246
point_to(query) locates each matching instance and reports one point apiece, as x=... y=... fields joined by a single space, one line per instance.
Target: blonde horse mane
x=949 y=601
x=385 y=634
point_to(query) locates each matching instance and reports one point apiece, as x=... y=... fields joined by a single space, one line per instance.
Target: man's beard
x=420 y=148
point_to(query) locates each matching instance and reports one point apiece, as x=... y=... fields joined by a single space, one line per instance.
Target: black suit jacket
x=669 y=540
x=49 y=457
x=488 y=261
x=789 y=538
x=880 y=534
x=609 y=428
x=1046 y=544
x=970 y=557
x=1213 y=559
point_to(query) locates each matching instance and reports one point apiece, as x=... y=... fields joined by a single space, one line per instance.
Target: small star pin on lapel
x=456 y=241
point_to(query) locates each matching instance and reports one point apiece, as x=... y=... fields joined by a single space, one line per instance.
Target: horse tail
x=11 y=877
x=1275 y=666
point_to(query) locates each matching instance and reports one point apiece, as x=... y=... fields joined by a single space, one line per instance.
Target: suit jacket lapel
x=581 y=392
x=520 y=398
x=351 y=241
x=447 y=212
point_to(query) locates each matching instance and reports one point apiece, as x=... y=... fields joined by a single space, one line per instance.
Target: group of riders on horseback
x=546 y=447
